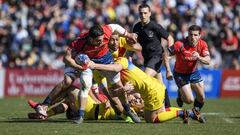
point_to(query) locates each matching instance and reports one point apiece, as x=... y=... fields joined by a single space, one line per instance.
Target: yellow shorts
x=155 y=96
x=93 y=111
x=106 y=113
x=90 y=107
x=100 y=80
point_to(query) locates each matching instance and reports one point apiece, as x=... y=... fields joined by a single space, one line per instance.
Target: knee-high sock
x=47 y=101
x=172 y=113
x=198 y=104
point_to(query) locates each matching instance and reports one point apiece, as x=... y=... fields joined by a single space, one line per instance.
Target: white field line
x=213 y=113
x=227 y=120
x=218 y=114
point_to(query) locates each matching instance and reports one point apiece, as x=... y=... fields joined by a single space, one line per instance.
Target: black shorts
x=153 y=62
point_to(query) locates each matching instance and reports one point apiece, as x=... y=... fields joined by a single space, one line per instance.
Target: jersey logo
x=188 y=56
x=150 y=34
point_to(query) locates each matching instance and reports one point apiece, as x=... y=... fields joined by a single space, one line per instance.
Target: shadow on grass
x=235 y=117
x=26 y=120
x=104 y=121
x=55 y=120
x=63 y=120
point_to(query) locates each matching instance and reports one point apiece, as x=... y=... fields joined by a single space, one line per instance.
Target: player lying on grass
x=68 y=102
x=151 y=91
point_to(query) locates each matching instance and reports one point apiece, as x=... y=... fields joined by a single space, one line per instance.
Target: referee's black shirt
x=149 y=36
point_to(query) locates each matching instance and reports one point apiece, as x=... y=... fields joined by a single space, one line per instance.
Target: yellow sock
x=171 y=113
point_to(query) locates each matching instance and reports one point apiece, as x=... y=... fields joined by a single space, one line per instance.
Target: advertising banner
x=2 y=80
x=211 y=79
x=31 y=82
x=230 y=84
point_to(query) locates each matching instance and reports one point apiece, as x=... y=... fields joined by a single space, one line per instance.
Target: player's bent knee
x=73 y=94
x=189 y=101
x=201 y=99
x=67 y=82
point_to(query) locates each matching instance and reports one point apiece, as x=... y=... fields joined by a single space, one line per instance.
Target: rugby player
x=68 y=102
x=150 y=89
x=95 y=44
x=188 y=53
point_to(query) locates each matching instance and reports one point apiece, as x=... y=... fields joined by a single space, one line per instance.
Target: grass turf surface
x=223 y=118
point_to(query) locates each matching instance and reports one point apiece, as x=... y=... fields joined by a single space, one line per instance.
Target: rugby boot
x=41 y=109
x=133 y=116
x=198 y=116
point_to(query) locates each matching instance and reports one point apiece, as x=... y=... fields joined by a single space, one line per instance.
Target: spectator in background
x=229 y=47
x=182 y=33
x=3 y=56
x=235 y=64
x=216 y=57
x=48 y=21
x=18 y=39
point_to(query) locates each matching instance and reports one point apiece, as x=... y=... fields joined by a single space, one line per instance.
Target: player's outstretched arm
x=108 y=67
x=123 y=32
x=133 y=46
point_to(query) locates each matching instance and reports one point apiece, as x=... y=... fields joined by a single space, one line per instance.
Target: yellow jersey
x=92 y=109
x=121 y=52
x=151 y=90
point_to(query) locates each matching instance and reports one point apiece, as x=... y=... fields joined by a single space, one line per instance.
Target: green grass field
x=223 y=118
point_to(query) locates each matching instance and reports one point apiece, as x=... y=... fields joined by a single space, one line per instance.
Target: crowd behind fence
x=36 y=33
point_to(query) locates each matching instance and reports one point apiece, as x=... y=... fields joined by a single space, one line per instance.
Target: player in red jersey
x=95 y=44
x=188 y=53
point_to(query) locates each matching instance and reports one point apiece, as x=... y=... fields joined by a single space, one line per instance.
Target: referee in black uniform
x=149 y=36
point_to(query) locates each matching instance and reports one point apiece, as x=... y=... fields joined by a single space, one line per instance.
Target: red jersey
x=185 y=62
x=80 y=45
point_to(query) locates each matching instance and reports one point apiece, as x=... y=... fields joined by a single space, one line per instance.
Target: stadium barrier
x=32 y=82
x=211 y=79
x=230 y=84
x=2 y=80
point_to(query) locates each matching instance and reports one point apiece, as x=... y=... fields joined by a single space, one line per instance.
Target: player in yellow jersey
x=118 y=46
x=150 y=89
x=121 y=46
x=68 y=102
